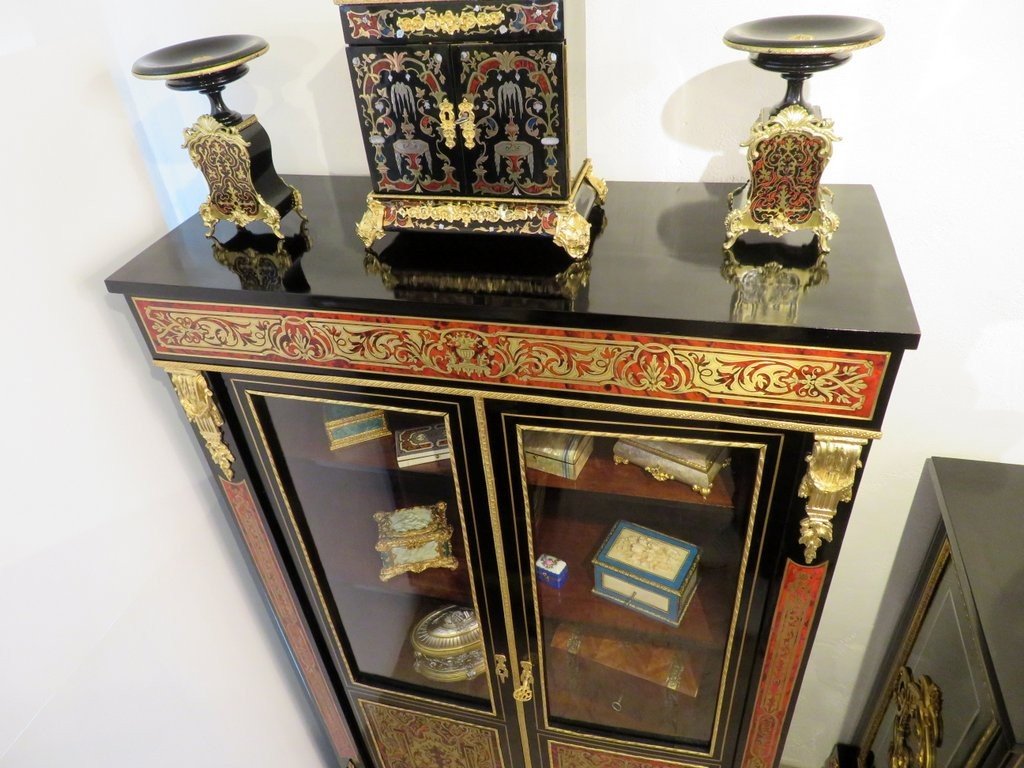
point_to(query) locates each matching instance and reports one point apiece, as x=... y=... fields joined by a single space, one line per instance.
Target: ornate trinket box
x=557 y=453
x=413 y=539
x=421 y=445
x=694 y=464
x=552 y=571
x=670 y=668
x=349 y=424
x=647 y=571
x=448 y=645
x=464 y=115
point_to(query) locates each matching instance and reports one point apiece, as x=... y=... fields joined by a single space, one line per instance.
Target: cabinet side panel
x=289 y=617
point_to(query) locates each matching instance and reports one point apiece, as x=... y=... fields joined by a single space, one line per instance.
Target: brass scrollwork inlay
x=222 y=156
x=831 y=468
x=524 y=692
x=197 y=402
x=786 y=155
x=917 y=725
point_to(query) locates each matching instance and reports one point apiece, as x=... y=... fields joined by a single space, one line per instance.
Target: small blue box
x=349 y=424
x=552 y=571
x=647 y=571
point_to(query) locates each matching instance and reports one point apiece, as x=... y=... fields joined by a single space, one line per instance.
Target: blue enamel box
x=647 y=571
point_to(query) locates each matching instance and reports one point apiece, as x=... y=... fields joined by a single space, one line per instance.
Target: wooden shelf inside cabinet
x=339 y=512
x=299 y=427
x=584 y=692
x=602 y=475
x=705 y=624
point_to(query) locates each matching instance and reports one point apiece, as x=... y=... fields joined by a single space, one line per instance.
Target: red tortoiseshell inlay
x=257 y=539
x=791 y=629
x=740 y=374
x=571 y=756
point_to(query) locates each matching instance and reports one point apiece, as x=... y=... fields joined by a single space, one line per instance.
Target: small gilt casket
x=414 y=539
x=448 y=645
x=695 y=464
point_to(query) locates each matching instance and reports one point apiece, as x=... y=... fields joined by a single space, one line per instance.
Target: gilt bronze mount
x=791 y=143
x=231 y=150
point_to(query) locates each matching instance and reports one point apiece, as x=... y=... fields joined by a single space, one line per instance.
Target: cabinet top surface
x=657 y=266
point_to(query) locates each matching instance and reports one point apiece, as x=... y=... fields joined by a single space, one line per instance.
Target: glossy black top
x=804 y=35
x=982 y=507
x=198 y=57
x=656 y=268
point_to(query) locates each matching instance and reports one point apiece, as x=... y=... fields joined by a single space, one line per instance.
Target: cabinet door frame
x=498 y=716
x=759 y=554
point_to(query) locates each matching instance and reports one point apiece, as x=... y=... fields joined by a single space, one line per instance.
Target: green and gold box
x=350 y=424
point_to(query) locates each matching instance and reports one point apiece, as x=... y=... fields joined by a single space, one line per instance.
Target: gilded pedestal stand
x=790 y=144
x=566 y=222
x=231 y=150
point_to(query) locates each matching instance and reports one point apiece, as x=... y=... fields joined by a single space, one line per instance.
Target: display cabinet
x=951 y=691
x=502 y=525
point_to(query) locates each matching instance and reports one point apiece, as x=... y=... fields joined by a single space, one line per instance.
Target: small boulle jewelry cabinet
x=465 y=115
x=456 y=607
x=950 y=693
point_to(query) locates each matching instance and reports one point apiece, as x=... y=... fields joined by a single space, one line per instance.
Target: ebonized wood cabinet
x=951 y=693
x=784 y=363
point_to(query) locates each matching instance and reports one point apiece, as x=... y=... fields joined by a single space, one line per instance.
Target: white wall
x=133 y=634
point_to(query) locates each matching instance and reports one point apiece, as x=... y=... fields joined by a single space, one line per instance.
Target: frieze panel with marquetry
x=746 y=375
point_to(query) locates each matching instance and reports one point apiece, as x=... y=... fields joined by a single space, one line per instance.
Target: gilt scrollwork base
x=786 y=156
x=197 y=402
x=831 y=469
x=222 y=155
x=917 y=724
x=563 y=221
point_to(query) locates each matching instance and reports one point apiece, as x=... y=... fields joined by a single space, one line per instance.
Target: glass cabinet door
x=371 y=497
x=642 y=546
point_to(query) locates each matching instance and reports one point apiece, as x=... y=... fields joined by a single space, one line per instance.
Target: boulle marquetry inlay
x=257 y=539
x=571 y=756
x=791 y=630
x=408 y=739
x=422 y=22
x=788 y=378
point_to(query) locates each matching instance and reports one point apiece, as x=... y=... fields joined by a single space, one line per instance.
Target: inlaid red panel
x=787 y=642
x=794 y=379
x=571 y=756
x=257 y=539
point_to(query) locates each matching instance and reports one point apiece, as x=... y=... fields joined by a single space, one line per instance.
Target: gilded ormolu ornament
x=465 y=121
x=791 y=143
x=231 y=150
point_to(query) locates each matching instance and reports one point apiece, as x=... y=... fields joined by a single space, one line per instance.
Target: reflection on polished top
x=656 y=268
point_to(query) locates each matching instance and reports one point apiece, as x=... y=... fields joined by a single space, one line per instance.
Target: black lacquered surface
x=804 y=35
x=656 y=268
x=196 y=57
x=981 y=506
